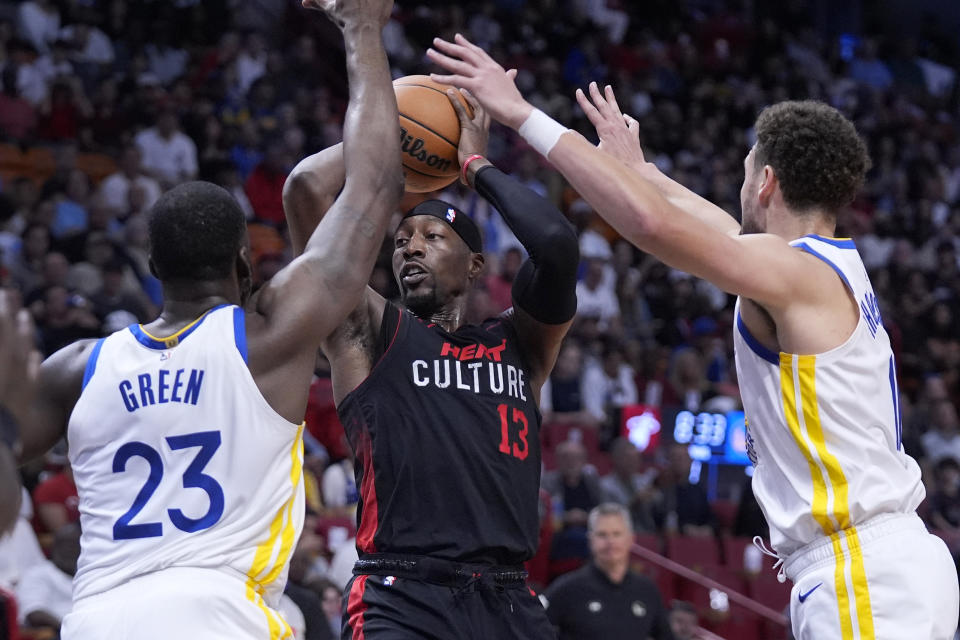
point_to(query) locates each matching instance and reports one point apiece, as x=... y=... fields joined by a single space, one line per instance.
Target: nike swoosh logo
x=804 y=596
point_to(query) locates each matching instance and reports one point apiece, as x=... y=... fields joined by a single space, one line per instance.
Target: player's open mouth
x=413 y=274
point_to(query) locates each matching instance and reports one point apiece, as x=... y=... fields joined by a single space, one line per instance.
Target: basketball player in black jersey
x=444 y=417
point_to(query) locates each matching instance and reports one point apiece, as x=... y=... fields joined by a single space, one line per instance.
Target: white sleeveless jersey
x=180 y=462
x=824 y=430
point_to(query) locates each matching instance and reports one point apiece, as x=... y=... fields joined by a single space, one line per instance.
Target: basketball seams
x=423 y=142
x=427 y=128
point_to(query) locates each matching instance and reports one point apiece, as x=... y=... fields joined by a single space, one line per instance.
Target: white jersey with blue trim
x=824 y=431
x=180 y=462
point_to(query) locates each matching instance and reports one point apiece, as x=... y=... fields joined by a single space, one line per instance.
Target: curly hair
x=815 y=152
x=196 y=230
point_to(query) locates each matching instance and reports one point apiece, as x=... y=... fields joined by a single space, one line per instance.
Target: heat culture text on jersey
x=476 y=368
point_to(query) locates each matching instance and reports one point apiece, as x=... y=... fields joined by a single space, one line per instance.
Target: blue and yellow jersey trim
x=283 y=531
x=831 y=506
x=153 y=342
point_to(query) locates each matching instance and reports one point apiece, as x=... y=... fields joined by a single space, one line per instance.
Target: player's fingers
x=479 y=113
x=512 y=74
x=450 y=64
x=33 y=365
x=454 y=97
x=462 y=41
x=611 y=99
x=598 y=99
x=591 y=111
x=454 y=50
x=455 y=80
x=632 y=125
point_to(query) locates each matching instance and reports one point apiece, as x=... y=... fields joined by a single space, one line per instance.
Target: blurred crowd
x=104 y=104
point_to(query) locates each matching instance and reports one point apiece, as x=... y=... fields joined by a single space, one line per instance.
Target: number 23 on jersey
x=193 y=477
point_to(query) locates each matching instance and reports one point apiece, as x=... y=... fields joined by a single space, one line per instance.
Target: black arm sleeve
x=546 y=286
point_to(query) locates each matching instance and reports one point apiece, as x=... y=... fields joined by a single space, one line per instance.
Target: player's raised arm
x=544 y=291
x=310 y=191
x=756 y=266
x=316 y=292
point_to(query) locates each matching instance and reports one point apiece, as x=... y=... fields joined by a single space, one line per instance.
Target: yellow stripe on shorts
x=255 y=587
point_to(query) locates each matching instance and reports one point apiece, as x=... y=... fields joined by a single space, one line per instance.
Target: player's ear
x=768 y=185
x=477 y=261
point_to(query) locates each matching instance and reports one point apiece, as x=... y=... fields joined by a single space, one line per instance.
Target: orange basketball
x=429 y=133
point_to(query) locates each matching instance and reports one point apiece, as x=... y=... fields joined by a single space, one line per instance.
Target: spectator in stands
x=55 y=499
x=114 y=296
x=942 y=438
x=608 y=387
x=45 y=593
x=38 y=22
x=71 y=213
x=605 y=599
x=19 y=548
x=627 y=486
x=682 y=507
x=596 y=297
x=749 y=521
x=169 y=155
x=500 y=284
x=264 y=187
x=27 y=266
x=119 y=190
x=683 y=620
x=561 y=398
x=18 y=119
x=332 y=597
x=65 y=319
x=307 y=599
x=574 y=490
x=62 y=113
x=945 y=501
x=340 y=495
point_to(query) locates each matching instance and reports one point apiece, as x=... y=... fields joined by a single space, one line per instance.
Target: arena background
x=105 y=104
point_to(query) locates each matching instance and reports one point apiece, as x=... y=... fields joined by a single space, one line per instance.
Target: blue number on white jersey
x=193 y=477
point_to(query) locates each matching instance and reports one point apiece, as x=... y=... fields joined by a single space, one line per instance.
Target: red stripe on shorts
x=356 y=607
x=369 y=517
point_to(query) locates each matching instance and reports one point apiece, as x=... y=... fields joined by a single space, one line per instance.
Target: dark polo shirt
x=586 y=605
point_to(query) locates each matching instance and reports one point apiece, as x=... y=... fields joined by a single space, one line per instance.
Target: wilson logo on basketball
x=416 y=149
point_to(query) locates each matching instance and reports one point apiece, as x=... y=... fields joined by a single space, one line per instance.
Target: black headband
x=458 y=221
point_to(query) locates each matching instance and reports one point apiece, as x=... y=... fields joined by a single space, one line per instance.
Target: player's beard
x=752 y=222
x=423 y=304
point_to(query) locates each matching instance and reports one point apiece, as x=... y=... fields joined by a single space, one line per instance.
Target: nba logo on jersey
x=389 y=580
x=451 y=215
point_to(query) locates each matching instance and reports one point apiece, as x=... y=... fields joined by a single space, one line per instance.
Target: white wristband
x=542 y=132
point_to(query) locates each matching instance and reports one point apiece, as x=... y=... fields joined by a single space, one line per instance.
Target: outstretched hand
x=19 y=361
x=474 y=129
x=471 y=68
x=353 y=12
x=619 y=134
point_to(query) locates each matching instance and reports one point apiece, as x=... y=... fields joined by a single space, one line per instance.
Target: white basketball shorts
x=176 y=603
x=887 y=579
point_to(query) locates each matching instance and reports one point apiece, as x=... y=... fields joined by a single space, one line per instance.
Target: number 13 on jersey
x=520 y=449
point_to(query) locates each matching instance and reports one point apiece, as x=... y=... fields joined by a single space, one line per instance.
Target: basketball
x=429 y=133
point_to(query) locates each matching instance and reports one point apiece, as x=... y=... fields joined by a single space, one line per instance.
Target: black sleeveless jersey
x=446 y=433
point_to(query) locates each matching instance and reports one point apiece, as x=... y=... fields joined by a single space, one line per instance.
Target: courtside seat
x=96 y=165
x=726 y=513
x=733 y=548
x=768 y=591
x=694 y=552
